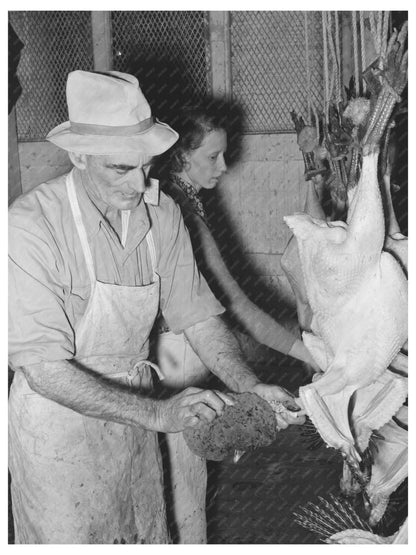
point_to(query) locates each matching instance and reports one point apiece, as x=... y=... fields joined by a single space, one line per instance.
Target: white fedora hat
x=108 y=114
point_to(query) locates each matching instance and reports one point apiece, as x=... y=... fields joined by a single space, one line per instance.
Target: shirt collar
x=191 y=194
x=151 y=195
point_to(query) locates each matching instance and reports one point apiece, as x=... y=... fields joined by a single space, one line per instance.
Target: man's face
x=119 y=179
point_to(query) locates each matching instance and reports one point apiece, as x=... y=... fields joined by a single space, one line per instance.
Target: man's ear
x=79 y=160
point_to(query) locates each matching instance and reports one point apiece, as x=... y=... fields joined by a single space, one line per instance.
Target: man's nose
x=137 y=180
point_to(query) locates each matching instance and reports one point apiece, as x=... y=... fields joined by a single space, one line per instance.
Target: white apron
x=77 y=479
x=181 y=367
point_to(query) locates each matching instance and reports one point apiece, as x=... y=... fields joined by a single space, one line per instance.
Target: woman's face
x=205 y=165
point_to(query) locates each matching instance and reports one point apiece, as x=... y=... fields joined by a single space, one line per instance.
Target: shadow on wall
x=168 y=89
x=15 y=48
x=164 y=82
x=264 y=294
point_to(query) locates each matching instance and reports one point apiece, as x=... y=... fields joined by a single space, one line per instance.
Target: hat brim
x=156 y=140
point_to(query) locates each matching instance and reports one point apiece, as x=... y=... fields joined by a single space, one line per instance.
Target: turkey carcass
x=358 y=296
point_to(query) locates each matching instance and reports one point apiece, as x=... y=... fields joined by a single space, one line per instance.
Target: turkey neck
x=365 y=217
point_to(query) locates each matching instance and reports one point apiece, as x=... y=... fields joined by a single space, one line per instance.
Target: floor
x=252 y=501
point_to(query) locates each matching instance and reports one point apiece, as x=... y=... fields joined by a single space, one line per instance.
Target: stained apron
x=181 y=367
x=77 y=479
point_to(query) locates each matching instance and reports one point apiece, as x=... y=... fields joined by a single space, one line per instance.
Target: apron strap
x=76 y=212
x=73 y=201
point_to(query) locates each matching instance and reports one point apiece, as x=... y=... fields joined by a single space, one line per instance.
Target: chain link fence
x=54 y=44
x=276 y=66
x=168 y=51
x=272 y=55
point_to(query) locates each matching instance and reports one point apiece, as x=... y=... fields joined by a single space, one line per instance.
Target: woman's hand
x=189 y=408
x=283 y=403
x=300 y=352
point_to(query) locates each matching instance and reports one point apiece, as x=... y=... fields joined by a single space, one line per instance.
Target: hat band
x=112 y=130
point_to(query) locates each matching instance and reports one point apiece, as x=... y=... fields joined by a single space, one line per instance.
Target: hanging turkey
x=357 y=292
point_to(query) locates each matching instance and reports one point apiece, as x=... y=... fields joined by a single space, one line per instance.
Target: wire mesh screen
x=55 y=43
x=276 y=64
x=167 y=51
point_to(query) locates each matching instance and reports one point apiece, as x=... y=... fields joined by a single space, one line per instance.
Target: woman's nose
x=222 y=166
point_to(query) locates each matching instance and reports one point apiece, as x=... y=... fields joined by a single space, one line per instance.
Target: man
x=93 y=256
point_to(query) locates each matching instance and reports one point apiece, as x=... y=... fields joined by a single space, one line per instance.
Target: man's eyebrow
x=124 y=167
x=127 y=167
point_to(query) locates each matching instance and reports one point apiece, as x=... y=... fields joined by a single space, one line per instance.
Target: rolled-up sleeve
x=39 y=329
x=186 y=298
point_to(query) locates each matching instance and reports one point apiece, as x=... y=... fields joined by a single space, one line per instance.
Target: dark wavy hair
x=192 y=123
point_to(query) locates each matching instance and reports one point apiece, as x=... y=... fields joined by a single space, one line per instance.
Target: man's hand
x=277 y=396
x=189 y=408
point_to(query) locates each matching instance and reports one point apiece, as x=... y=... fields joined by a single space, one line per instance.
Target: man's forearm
x=91 y=395
x=219 y=350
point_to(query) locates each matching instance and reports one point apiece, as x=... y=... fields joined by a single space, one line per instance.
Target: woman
x=197 y=162
x=194 y=163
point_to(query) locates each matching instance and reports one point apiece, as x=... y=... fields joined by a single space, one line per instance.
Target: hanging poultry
x=357 y=292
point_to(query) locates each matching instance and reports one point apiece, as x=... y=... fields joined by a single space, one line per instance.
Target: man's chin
x=128 y=203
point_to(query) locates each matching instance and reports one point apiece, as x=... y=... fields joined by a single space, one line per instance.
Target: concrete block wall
x=256 y=193
x=39 y=162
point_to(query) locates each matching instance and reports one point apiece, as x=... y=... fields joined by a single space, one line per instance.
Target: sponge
x=247 y=425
